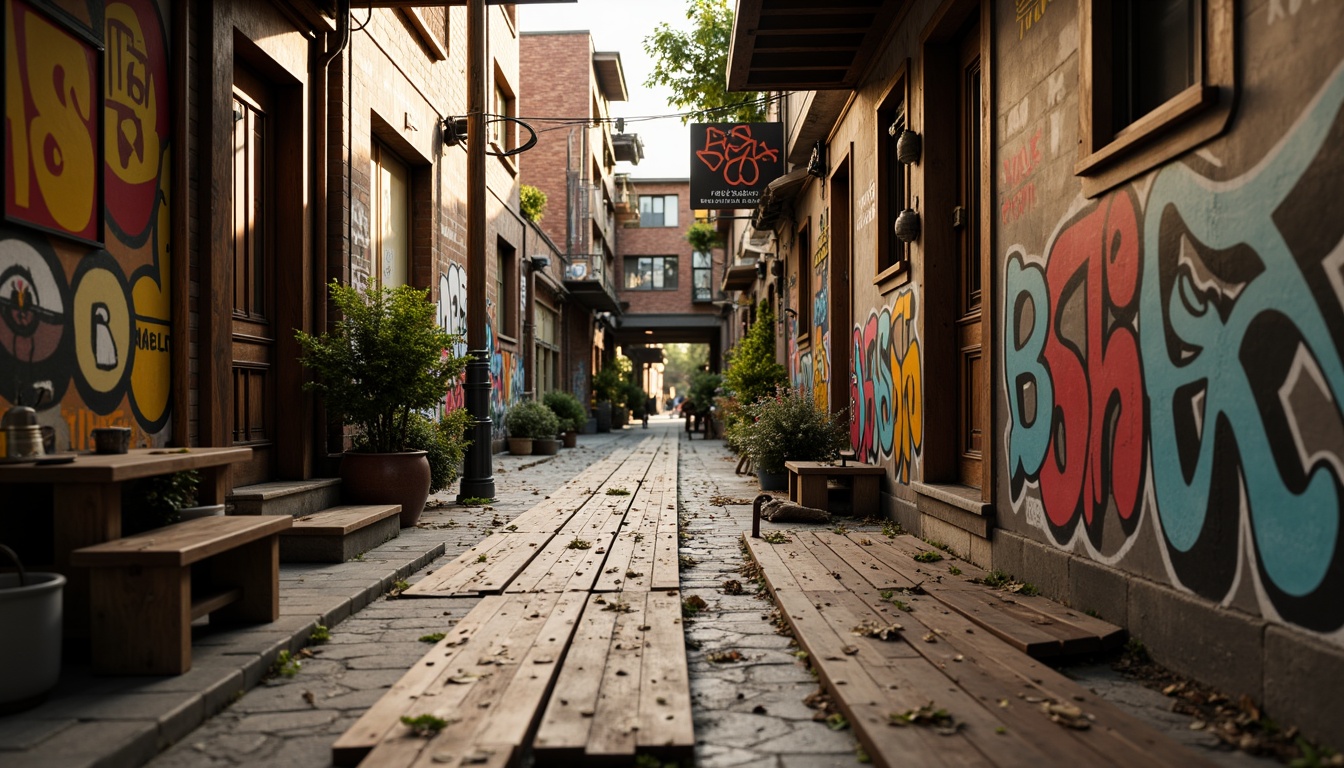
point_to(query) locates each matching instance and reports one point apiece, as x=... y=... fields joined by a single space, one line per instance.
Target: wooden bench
x=337 y=534
x=809 y=483
x=841 y=593
x=146 y=590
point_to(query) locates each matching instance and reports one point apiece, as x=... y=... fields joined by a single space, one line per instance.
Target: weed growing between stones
x=424 y=725
x=432 y=637
x=928 y=556
x=320 y=634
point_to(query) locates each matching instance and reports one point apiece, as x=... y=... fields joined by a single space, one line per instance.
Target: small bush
x=567 y=409
x=789 y=427
x=445 y=444
x=532 y=419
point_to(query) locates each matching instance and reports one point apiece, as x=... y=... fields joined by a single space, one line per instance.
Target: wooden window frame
x=1202 y=111
x=503 y=134
x=892 y=271
x=662 y=268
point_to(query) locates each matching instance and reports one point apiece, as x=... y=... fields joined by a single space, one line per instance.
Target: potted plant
x=153 y=502
x=787 y=427
x=635 y=399
x=527 y=422
x=752 y=371
x=703 y=390
x=606 y=388
x=386 y=358
x=30 y=646
x=569 y=410
x=444 y=442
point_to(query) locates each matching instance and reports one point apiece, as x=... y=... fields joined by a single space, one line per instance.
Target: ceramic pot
x=772 y=481
x=547 y=446
x=30 y=645
x=570 y=439
x=388 y=478
x=521 y=446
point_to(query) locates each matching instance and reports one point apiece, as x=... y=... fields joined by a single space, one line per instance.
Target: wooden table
x=808 y=479
x=86 y=502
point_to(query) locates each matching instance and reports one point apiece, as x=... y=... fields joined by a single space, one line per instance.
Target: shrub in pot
x=752 y=371
x=159 y=500
x=788 y=427
x=385 y=359
x=444 y=442
x=606 y=389
x=569 y=410
x=527 y=422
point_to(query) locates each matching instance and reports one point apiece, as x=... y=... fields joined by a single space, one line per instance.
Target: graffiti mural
x=93 y=325
x=887 y=387
x=452 y=316
x=821 y=335
x=1172 y=359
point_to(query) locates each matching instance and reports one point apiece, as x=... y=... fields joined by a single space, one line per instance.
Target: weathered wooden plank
x=863 y=700
x=1116 y=738
x=860 y=557
x=562 y=560
x=665 y=723
x=506 y=554
x=374 y=724
x=616 y=718
x=837 y=566
x=910 y=679
x=810 y=573
x=468 y=690
x=666 y=566
x=568 y=718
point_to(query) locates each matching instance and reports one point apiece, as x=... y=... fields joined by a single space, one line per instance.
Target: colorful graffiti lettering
x=735 y=155
x=100 y=320
x=1028 y=13
x=51 y=121
x=821 y=333
x=452 y=317
x=1229 y=328
x=887 y=387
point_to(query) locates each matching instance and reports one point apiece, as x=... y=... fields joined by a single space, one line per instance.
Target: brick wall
x=663 y=241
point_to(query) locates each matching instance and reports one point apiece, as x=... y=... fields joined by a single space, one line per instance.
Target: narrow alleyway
x=747 y=683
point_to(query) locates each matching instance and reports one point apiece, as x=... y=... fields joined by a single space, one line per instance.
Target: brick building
x=1108 y=361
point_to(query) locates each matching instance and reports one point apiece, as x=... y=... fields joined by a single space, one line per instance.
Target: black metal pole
x=478 y=479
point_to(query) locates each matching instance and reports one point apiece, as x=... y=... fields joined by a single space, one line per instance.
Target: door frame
x=227 y=47
x=940 y=73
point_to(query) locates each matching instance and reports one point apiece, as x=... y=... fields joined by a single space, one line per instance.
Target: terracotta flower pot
x=570 y=439
x=388 y=478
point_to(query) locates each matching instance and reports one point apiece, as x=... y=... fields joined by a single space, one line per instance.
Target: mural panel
x=1176 y=355
x=93 y=326
x=887 y=387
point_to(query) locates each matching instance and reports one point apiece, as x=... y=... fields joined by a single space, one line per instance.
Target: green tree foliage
x=694 y=65
x=680 y=362
x=532 y=201
x=752 y=370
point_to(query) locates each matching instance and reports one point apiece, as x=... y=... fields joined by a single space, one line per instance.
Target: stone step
x=286 y=497
x=339 y=533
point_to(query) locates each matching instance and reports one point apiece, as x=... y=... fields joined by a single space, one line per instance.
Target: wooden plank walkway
x=581 y=621
x=923 y=683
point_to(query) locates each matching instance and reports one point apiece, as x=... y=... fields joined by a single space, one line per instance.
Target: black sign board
x=732 y=162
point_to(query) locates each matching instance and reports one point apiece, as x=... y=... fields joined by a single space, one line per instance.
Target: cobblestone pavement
x=748 y=710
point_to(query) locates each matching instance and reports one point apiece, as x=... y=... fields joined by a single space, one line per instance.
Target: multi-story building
x=180 y=195
x=1082 y=302
x=569 y=88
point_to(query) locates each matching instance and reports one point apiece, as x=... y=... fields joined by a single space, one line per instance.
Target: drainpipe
x=319 y=123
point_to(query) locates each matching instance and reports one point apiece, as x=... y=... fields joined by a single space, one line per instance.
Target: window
x=502 y=104
x=506 y=289
x=892 y=188
x=702 y=276
x=651 y=273
x=1157 y=80
x=390 y=218
x=547 y=358
x=657 y=210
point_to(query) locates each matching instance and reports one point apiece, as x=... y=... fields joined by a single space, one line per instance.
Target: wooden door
x=254 y=325
x=972 y=383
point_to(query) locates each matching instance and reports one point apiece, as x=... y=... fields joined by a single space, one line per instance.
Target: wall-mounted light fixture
x=539 y=262
x=908 y=225
x=760 y=270
x=454 y=130
x=816 y=165
x=909 y=146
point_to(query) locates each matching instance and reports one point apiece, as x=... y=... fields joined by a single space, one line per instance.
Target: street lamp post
x=478 y=479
